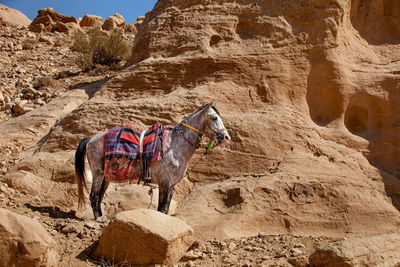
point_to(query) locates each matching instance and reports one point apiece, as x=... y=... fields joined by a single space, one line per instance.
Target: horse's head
x=215 y=127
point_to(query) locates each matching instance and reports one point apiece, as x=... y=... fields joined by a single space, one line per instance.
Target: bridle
x=200 y=134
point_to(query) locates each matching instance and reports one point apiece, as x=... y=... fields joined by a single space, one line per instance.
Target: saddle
x=124 y=147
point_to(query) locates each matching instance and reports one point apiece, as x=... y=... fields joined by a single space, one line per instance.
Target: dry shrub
x=29 y=44
x=95 y=49
x=45 y=81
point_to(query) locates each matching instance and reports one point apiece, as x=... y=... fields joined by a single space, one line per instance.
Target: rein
x=210 y=145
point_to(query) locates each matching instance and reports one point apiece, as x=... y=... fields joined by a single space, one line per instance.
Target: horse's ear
x=212 y=104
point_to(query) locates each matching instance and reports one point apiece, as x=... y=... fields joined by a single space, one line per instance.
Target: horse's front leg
x=164 y=196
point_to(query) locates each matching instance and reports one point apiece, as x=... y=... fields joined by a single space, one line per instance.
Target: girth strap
x=141 y=143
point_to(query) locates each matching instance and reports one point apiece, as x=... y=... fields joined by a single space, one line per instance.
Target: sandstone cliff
x=308 y=91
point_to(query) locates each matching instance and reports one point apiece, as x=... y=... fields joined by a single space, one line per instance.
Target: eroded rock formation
x=307 y=91
x=49 y=20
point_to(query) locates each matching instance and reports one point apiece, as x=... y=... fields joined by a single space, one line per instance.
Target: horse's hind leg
x=95 y=197
x=103 y=188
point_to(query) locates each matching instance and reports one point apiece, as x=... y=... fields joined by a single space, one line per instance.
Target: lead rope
x=210 y=147
x=151 y=197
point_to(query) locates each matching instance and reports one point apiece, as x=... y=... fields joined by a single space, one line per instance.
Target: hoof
x=102 y=219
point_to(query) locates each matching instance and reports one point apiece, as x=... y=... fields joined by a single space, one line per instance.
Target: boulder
x=21 y=107
x=91 y=21
x=380 y=250
x=144 y=236
x=131 y=28
x=24 y=242
x=134 y=27
x=97 y=30
x=48 y=20
x=14 y=17
x=66 y=27
x=113 y=22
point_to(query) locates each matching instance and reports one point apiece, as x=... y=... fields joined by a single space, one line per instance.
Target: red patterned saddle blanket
x=121 y=151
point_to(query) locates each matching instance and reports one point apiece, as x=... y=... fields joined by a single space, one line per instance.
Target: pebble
x=81 y=235
x=70 y=228
x=299 y=245
x=248 y=248
x=282 y=253
x=90 y=225
x=262 y=234
x=232 y=246
x=295 y=252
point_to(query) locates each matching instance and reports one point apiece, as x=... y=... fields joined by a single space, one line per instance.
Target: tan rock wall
x=307 y=90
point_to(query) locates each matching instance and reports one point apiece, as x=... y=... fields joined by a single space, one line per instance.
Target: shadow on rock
x=92 y=87
x=54 y=212
x=86 y=254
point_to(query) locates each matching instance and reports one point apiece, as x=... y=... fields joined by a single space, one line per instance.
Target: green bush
x=99 y=49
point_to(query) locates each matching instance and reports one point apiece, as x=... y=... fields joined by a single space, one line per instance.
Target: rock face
x=91 y=21
x=24 y=242
x=144 y=237
x=372 y=251
x=12 y=16
x=48 y=20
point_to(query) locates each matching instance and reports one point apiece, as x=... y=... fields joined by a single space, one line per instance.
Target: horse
x=181 y=143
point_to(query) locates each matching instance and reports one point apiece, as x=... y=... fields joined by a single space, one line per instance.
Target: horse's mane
x=213 y=107
x=201 y=110
x=216 y=110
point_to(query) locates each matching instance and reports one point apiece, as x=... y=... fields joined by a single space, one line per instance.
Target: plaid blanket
x=121 y=150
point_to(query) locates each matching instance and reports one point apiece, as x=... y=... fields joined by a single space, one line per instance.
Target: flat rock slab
x=383 y=250
x=144 y=236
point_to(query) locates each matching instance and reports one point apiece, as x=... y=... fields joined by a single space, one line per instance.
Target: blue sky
x=129 y=9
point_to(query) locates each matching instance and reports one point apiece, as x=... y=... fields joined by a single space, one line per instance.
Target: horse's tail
x=80 y=170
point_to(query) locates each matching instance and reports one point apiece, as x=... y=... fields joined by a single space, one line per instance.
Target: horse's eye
x=214 y=118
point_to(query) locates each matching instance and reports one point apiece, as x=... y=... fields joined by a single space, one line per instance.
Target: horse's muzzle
x=223 y=137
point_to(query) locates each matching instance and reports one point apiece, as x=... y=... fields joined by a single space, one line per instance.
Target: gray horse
x=180 y=146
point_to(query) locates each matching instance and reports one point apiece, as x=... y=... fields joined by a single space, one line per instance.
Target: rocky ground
x=77 y=238
x=36 y=68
